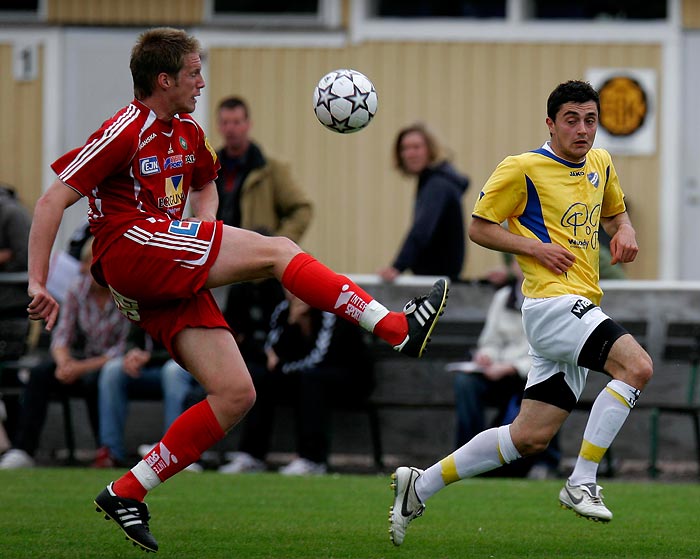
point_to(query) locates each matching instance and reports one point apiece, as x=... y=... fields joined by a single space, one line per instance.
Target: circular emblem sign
x=623 y=106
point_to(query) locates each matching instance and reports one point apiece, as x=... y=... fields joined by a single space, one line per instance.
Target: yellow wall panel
x=485 y=101
x=125 y=12
x=21 y=131
x=691 y=14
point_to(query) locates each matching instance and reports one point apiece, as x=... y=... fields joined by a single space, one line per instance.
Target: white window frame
x=328 y=16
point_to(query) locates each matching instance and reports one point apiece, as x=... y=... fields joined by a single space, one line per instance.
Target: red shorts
x=156 y=272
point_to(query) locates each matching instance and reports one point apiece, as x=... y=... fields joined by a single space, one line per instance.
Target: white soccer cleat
x=407 y=505
x=585 y=500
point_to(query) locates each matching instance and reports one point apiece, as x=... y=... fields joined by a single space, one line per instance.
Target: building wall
x=21 y=130
x=485 y=101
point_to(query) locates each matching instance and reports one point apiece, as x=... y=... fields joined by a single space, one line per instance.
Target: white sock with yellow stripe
x=608 y=415
x=487 y=451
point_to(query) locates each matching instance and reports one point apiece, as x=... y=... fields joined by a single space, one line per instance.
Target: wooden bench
x=683 y=347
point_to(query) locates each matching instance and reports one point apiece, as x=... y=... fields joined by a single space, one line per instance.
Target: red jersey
x=137 y=167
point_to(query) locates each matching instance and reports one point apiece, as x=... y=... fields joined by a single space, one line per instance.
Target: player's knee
x=639 y=370
x=532 y=443
x=286 y=248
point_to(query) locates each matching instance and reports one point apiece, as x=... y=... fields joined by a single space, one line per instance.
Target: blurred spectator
x=90 y=331
x=145 y=371
x=435 y=243
x=256 y=192
x=15 y=223
x=313 y=362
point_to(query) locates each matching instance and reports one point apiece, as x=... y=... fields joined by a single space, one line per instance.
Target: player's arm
x=204 y=202
x=623 y=243
x=47 y=218
x=491 y=235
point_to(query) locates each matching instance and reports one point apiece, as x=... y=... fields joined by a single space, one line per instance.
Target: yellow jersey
x=545 y=197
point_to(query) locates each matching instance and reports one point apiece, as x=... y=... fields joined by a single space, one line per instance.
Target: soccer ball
x=345 y=101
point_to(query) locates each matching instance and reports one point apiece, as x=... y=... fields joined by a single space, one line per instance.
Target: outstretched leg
x=245 y=255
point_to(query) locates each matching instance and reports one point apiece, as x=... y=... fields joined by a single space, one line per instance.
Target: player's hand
x=42 y=306
x=554 y=257
x=623 y=245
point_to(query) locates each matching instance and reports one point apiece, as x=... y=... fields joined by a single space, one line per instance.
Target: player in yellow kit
x=553 y=199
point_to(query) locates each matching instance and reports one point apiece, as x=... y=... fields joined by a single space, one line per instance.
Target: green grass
x=48 y=513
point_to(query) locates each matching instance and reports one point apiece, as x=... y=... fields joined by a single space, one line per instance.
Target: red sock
x=323 y=289
x=196 y=430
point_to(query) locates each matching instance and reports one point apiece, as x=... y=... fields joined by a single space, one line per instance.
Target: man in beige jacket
x=256 y=192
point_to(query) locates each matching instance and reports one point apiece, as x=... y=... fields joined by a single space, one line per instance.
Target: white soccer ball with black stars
x=345 y=101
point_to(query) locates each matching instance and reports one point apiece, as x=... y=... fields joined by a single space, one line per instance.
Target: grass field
x=48 y=514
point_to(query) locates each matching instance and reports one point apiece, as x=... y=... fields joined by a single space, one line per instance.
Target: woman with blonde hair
x=435 y=243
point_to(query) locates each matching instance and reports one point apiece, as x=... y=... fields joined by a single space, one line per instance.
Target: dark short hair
x=161 y=49
x=436 y=152
x=233 y=102
x=573 y=91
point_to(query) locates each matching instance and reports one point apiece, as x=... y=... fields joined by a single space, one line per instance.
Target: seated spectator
x=496 y=375
x=312 y=361
x=90 y=331
x=146 y=371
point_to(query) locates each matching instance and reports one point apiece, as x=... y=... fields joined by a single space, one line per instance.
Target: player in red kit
x=137 y=171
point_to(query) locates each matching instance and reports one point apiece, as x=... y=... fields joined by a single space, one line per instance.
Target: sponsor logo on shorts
x=581 y=307
x=149 y=166
x=189 y=228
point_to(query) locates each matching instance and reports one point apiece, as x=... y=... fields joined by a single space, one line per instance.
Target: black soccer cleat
x=422 y=314
x=131 y=515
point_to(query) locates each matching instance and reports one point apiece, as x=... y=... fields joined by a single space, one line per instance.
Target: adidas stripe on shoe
x=131 y=515
x=422 y=314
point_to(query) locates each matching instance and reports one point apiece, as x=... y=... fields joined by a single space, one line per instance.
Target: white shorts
x=557 y=328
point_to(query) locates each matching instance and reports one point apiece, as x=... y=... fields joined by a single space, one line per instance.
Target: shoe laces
x=595 y=492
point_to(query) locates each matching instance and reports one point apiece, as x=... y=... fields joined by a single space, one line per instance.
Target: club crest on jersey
x=183 y=143
x=172 y=162
x=149 y=166
x=594 y=178
x=174 y=194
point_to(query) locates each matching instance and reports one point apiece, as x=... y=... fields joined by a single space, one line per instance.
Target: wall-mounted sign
x=628 y=107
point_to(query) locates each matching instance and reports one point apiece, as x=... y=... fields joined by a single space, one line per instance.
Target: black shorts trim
x=552 y=391
x=594 y=352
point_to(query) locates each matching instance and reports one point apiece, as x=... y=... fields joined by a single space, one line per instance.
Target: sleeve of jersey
x=108 y=150
x=613 y=198
x=502 y=194
x=206 y=162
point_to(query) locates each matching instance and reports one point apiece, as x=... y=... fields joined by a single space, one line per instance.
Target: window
x=20 y=10
x=599 y=9
x=270 y=7
x=276 y=13
x=446 y=8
